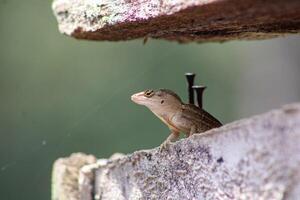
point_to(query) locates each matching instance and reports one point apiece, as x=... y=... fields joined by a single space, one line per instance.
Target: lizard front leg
x=193 y=130
x=172 y=137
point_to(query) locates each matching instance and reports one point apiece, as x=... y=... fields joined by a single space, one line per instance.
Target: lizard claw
x=164 y=146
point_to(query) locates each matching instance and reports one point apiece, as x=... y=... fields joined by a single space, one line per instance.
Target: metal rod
x=199 y=91
x=190 y=79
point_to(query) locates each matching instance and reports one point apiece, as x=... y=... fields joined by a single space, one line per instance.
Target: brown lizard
x=178 y=116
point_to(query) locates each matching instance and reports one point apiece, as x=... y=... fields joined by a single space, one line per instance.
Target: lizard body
x=178 y=116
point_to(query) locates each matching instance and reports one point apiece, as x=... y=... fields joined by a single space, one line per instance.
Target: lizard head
x=161 y=102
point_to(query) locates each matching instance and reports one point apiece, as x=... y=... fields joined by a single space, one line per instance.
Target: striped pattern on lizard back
x=203 y=120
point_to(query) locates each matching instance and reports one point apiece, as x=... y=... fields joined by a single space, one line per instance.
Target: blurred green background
x=59 y=95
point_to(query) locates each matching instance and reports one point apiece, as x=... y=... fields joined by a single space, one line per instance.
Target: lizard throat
x=166 y=119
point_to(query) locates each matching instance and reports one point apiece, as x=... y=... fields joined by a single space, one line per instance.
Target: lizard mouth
x=138 y=98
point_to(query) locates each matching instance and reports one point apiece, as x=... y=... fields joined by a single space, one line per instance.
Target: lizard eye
x=149 y=93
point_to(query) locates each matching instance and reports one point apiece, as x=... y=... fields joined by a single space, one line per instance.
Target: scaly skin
x=178 y=116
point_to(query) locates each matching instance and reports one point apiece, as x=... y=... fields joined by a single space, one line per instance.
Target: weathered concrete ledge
x=256 y=158
x=180 y=20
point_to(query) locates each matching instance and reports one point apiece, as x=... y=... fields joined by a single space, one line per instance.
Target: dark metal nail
x=190 y=79
x=199 y=91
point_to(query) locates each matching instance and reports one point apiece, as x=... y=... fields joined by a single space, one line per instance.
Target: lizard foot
x=164 y=146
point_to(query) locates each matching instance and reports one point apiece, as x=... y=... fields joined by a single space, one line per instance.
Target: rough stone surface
x=65 y=176
x=180 y=20
x=256 y=158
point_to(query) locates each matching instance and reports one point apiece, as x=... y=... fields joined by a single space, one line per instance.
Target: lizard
x=178 y=116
